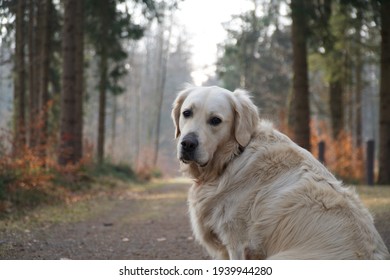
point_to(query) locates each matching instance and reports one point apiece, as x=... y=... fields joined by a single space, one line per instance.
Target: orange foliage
x=342 y=157
x=30 y=169
x=145 y=168
x=25 y=171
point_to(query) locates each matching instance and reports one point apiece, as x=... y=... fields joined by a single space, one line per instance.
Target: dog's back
x=283 y=204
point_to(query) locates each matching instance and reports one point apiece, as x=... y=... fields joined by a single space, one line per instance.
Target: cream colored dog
x=258 y=195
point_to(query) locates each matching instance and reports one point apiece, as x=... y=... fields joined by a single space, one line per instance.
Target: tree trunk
x=19 y=81
x=299 y=106
x=33 y=92
x=103 y=80
x=359 y=82
x=102 y=106
x=79 y=85
x=45 y=5
x=336 y=107
x=162 y=64
x=334 y=65
x=358 y=99
x=384 y=114
x=113 y=124
x=138 y=126
x=68 y=97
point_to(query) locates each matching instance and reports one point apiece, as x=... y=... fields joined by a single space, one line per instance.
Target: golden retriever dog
x=258 y=195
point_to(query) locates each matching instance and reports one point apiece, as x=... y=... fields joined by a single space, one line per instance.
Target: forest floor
x=130 y=222
x=134 y=222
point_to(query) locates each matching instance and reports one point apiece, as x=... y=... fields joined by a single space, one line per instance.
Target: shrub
x=342 y=156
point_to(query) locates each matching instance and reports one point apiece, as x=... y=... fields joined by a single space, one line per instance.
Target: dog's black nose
x=189 y=143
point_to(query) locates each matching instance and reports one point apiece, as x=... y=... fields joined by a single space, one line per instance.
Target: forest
x=90 y=83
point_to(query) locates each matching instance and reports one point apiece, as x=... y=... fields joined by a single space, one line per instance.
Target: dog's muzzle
x=189 y=145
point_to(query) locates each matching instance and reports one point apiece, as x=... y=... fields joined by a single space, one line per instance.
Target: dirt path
x=147 y=224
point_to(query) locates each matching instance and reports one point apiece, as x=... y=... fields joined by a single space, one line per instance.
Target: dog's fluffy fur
x=258 y=195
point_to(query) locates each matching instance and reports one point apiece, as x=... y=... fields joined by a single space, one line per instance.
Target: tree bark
x=79 y=85
x=336 y=107
x=299 y=106
x=102 y=107
x=359 y=81
x=113 y=124
x=68 y=97
x=33 y=92
x=45 y=5
x=103 y=80
x=384 y=114
x=19 y=81
x=162 y=74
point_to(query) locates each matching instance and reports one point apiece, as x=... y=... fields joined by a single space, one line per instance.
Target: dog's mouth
x=184 y=160
x=188 y=161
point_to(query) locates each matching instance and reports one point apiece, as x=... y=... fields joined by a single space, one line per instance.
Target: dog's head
x=208 y=120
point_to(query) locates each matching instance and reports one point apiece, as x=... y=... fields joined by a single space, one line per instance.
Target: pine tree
x=384 y=118
x=44 y=52
x=70 y=95
x=299 y=104
x=19 y=80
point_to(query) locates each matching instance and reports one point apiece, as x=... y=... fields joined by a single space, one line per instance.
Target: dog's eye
x=214 y=121
x=187 y=113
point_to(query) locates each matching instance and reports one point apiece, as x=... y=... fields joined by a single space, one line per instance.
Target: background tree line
x=57 y=34
x=94 y=80
x=89 y=79
x=314 y=68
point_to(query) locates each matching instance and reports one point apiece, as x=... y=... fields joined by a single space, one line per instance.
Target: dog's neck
x=216 y=167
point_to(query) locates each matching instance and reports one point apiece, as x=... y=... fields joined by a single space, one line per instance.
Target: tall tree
x=335 y=64
x=107 y=27
x=162 y=59
x=70 y=116
x=327 y=32
x=299 y=103
x=384 y=117
x=103 y=70
x=358 y=77
x=19 y=80
x=257 y=55
x=33 y=65
x=44 y=52
x=79 y=69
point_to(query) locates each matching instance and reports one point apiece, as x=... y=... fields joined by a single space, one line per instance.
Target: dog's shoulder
x=267 y=134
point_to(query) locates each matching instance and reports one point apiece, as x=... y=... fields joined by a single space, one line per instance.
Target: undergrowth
x=343 y=157
x=27 y=181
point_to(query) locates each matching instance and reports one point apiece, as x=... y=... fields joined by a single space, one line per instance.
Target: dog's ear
x=246 y=118
x=177 y=106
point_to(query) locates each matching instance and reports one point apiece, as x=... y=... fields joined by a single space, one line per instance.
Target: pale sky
x=203 y=21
